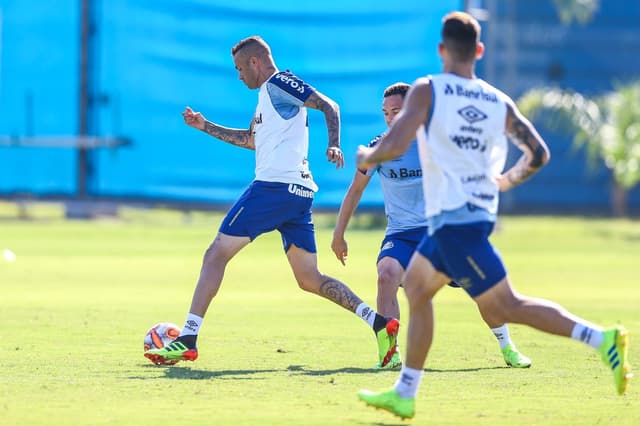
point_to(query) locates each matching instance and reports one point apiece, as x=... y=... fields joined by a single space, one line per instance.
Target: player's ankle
x=379 y=322
x=189 y=340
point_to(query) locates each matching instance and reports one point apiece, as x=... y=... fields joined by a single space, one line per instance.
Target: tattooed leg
x=339 y=293
x=309 y=278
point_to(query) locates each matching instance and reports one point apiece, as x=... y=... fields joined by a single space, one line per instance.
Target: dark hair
x=256 y=45
x=461 y=35
x=397 y=89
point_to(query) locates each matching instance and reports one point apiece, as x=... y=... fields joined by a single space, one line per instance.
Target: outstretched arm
x=415 y=112
x=239 y=137
x=332 y=116
x=535 y=153
x=348 y=206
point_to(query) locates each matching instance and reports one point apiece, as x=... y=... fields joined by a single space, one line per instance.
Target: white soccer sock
x=502 y=334
x=191 y=325
x=365 y=312
x=408 y=382
x=588 y=333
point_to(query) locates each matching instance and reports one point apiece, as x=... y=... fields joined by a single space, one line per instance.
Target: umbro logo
x=191 y=325
x=366 y=313
x=388 y=245
x=406 y=379
x=472 y=114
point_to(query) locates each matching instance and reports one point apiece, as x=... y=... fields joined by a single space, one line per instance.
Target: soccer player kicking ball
x=279 y=198
x=401 y=181
x=460 y=122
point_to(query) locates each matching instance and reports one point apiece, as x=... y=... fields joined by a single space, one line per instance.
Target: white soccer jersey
x=463 y=146
x=281 y=131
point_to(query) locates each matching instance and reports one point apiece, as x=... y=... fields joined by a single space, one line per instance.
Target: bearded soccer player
x=279 y=198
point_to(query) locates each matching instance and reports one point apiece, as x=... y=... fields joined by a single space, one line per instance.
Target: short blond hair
x=254 y=45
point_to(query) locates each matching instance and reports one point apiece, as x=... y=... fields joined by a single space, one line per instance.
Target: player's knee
x=388 y=281
x=494 y=316
x=417 y=294
x=304 y=285
x=214 y=257
x=505 y=310
x=309 y=280
x=514 y=309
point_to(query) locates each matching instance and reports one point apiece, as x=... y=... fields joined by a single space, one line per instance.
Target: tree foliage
x=606 y=126
x=581 y=11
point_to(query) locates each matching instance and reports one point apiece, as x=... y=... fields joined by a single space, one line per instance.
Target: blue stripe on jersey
x=286 y=105
x=291 y=84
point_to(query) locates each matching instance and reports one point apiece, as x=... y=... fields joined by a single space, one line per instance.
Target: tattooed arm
x=526 y=138
x=332 y=116
x=239 y=137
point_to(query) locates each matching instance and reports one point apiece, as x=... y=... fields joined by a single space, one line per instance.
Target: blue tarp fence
x=152 y=58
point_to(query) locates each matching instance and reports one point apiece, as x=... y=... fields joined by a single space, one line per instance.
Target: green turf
x=75 y=304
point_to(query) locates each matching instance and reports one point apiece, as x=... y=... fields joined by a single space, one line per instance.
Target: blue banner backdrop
x=152 y=58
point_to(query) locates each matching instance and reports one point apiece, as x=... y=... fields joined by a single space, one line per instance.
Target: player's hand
x=339 y=247
x=193 y=119
x=334 y=155
x=361 y=157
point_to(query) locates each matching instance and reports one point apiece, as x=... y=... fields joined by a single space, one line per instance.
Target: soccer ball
x=160 y=335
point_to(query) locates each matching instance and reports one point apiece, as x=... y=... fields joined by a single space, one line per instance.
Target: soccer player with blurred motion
x=460 y=122
x=401 y=181
x=279 y=198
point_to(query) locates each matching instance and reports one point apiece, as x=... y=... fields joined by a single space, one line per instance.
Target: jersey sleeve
x=288 y=93
x=292 y=85
x=372 y=170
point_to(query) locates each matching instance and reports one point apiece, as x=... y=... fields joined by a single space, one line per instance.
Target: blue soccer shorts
x=464 y=253
x=269 y=206
x=401 y=245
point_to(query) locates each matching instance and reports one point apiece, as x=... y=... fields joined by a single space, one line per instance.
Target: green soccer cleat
x=613 y=350
x=396 y=362
x=172 y=353
x=513 y=357
x=391 y=401
x=387 y=341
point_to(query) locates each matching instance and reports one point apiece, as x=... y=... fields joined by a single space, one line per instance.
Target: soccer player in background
x=279 y=198
x=460 y=122
x=401 y=181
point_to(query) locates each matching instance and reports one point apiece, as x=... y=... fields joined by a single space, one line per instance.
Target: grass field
x=76 y=303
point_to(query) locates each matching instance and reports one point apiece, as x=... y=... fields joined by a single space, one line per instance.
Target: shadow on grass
x=188 y=373
x=354 y=370
x=387 y=424
x=408 y=422
x=348 y=370
x=466 y=370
